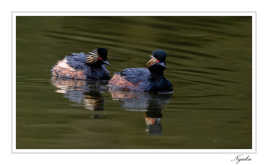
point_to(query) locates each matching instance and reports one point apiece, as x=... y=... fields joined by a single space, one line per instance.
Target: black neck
x=157 y=71
x=97 y=64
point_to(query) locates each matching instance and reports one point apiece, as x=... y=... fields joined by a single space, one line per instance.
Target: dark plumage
x=149 y=79
x=77 y=66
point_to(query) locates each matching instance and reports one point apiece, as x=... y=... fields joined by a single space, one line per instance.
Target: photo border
x=14 y=14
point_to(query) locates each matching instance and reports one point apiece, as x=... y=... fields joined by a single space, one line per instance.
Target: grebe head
x=158 y=58
x=157 y=64
x=103 y=53
x=98 y=57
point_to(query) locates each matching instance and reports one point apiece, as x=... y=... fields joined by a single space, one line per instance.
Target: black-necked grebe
x=83 y=66
x=150 y=79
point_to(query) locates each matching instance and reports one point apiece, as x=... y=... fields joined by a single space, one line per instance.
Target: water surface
x=209 y=63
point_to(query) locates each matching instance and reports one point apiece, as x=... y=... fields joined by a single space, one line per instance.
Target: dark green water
x=209 y=63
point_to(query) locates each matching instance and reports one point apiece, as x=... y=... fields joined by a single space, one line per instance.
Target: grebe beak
x=162 y=64
x=106 y=62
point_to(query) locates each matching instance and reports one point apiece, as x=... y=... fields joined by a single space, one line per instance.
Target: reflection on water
x=89 y=94
x=153 y=122
x=150 y=104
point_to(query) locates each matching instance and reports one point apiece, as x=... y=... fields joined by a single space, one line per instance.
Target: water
x=209 y=63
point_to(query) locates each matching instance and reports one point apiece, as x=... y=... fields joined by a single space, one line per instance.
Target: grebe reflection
x=88 y=94
x=151 y=104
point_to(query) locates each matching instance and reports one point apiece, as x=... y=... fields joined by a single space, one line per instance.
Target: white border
x=134 y=151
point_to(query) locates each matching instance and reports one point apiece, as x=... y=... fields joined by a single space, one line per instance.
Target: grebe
x=150 y=79
x=82 y=66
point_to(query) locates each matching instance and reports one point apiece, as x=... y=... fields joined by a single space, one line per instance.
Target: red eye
x=99 y=58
